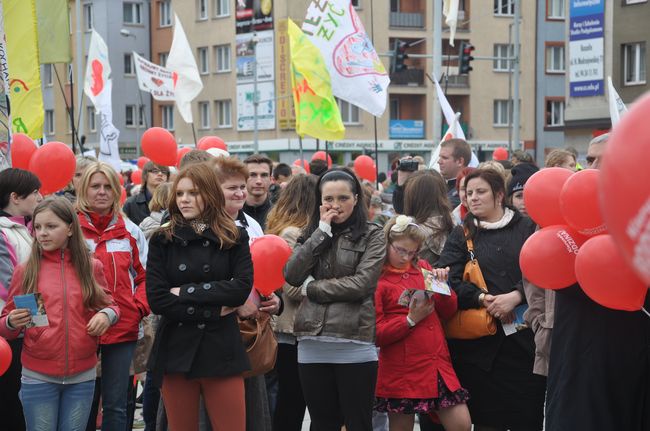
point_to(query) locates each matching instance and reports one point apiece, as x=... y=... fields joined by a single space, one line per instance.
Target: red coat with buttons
x=410 y=359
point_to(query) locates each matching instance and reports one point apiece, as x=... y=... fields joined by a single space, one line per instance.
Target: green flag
x=53 y=31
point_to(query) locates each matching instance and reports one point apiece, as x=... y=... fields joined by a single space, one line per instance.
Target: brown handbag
x=471 y=323
x=260 y=343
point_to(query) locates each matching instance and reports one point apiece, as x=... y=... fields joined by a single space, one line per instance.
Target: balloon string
x=645 y=311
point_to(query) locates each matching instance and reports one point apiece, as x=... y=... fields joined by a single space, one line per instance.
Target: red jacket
x=64 y=347
x=410 y=359
x=122 y=248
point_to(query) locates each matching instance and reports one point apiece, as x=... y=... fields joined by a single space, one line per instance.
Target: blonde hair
x=294 y=206
x=412 y=232
x=493 y=165
x=557 y=157
x=160 y=199
x=113 y=181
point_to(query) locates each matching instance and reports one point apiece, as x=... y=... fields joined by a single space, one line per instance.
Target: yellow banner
x=24 y=71
x=285 y=112
x=53 y=31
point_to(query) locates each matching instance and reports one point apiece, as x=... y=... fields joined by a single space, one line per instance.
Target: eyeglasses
x=157 y=171
x=591 y=159
x=404 y=253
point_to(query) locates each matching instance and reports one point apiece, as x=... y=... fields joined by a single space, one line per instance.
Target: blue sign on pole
x=586 y=47
x=406 y=129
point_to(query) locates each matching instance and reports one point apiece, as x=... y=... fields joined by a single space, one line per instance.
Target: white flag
x=154 y=79
x=98 y=87
x=358 y=76
x=616 y=105
x=450 y=10
x=181 y=61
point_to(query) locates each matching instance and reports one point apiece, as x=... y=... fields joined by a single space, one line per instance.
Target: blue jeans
x=57 y=407
x=116 y=360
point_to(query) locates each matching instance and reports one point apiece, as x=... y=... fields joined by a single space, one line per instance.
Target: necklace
x=198 y=226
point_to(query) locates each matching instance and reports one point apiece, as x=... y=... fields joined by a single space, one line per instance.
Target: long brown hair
x=425 y=195
x=214 y=209
x=294 y=206
x=94 y=297
x=113 y=181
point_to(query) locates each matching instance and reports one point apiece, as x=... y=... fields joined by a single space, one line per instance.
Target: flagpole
x=437 y=66
x=67 y=106
x=79 y=55
x=302 y=160
x=194 y=133
x=372 y=38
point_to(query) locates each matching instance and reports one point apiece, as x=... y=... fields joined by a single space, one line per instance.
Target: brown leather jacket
x=340 y=301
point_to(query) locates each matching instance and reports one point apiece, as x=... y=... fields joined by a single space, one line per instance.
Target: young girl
x=415 y=372
x=59 y=359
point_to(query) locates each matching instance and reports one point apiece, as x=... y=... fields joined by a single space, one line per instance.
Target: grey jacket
x=291 y=295
x=340 y=301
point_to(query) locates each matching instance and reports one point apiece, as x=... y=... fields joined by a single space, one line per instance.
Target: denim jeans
x=57 y=407
x=116 y=359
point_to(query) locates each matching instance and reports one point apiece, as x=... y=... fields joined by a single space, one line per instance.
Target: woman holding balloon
x=199 y=264
x=496 y=369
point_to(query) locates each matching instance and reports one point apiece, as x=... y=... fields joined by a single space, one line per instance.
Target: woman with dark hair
x=425 y=199
x=199 y=263
x=136 y=207
x=337 y=266
x=496 y=369
x=287 y=219
x=19 y=195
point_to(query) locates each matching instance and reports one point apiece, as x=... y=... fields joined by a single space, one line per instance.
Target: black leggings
x=290 y=409
x=339 y=394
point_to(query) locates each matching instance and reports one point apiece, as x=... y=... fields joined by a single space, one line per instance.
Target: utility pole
x=256 y=102
x=437 y=67
x=517 y=69
x=80 y=75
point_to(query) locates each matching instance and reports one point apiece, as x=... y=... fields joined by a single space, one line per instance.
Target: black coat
x=193 y=338
x=136 y=207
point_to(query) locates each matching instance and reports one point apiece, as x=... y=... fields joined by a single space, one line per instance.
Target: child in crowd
x=60 y=352
x=415 y=372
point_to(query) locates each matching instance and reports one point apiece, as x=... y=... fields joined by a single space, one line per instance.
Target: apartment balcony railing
x=457 y=81
x=408 y=20
x=411 y=77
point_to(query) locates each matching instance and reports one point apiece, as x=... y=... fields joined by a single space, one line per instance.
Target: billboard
x=586 y=48
x=253 y=15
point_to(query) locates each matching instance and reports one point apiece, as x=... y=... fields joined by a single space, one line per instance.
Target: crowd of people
x=156 y=288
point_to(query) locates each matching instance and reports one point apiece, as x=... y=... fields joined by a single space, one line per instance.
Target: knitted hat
x=520 y=175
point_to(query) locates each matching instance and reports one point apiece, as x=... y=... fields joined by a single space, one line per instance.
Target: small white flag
x=616 y=106
x=450 y=11
x=181 y=61
x=155 y=79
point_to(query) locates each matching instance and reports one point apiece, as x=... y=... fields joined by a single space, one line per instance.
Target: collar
x=241 y=218
x=264 y=205
x=185 y=233
x=57 y=255
x=508 y=215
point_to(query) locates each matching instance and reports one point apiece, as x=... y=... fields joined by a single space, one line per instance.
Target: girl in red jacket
x=415 y=372
x=59 y=355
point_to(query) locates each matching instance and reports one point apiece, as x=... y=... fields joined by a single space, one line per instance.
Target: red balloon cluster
x=22 y=150
x=542 y=195
x=303 y=163
x=159 y=145
x=269 y=254
x=320 y=155
x=54 y=164
x=365 y=168
x=5 y=356
x=207 y=142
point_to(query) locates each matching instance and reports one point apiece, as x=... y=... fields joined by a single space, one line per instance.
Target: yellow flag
x=24 y=71
x=317 y=113
x=53 y=31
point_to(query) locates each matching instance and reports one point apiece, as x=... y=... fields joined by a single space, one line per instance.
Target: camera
x=407 y=165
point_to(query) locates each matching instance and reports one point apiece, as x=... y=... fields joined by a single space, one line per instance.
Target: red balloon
x=605 y=276
x=320 y=155
x=269 y=254
x=121 y=178
x=542 y=195
x=53 y=164
x=625 y=194
x=365 y=168
x=22 y=150
x=579 y=203
x=5 y=356
x=180 y=153
x=136 y=177
x=500 y=154
x=122 y=196
x=304 y=164
x=160 y=146
x=548 y=256
x=207 y=142
x=142 y=160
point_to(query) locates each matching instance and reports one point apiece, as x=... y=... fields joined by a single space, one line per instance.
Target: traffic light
x=465 y=58
x=399 y=55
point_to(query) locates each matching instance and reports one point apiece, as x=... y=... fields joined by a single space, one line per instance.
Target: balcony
x=410 y=77
x=406 y=20
x=457 y=81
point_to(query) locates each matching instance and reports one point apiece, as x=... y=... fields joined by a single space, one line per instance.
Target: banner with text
x=586 y=48
x=154 y=79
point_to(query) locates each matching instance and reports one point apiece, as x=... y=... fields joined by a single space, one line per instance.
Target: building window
x=162 y=59
x=141 y=116
x=394 y=5
x=394 y=109
x=554 y=112
x=129 y=65
x=555 y=9
x=223 y=113
x=168 y=117
x=49 y=122
x=502 y=110
x=88 y=17
x=501 y=53
x=349 y=112
x=634 y=63
x=47 y=75
x=555 y=59
x=203 y=60
x=129 y=117
x=201 y=9
x=204 y=113
x=92 y=123
x=165 y=8
x=221 y=8
x=504 y=7
x=222 y=56
x=132 y=13
x=356 y=4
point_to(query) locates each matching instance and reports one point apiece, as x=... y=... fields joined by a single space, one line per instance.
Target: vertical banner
x=5 y=146
x=586 y=44
x=286 y=112
x=53 y=31
x=25 y=74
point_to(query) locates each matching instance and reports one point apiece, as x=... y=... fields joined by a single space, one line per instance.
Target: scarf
x=99 y=221
x=508 y=214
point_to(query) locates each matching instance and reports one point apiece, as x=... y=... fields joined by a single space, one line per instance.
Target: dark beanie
x=520 y=175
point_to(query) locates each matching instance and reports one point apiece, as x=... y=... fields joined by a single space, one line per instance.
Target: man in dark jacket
x=455 y=154
x=258 y=202
x=136 y=207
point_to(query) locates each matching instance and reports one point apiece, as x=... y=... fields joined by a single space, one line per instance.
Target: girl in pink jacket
x=60 y=347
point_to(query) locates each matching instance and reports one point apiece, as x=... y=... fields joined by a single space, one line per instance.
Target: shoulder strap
x=470 y=245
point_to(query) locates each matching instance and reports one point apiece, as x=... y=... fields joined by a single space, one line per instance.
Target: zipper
x=65 y=314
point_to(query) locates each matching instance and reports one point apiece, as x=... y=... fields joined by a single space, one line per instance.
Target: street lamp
x=126 y=33
x=256 y=102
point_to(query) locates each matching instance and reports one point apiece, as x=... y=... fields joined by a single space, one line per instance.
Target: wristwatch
x=481 y=297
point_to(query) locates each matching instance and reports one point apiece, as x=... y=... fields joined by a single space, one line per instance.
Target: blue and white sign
x=586 y=48
x=406 y=129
